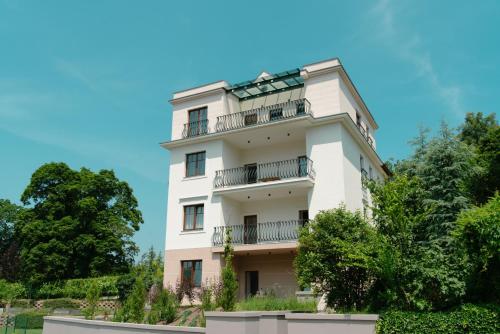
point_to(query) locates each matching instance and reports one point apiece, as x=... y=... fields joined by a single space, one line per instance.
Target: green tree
x=134 y=305
x=92 y=299
x=228 y=276
x=9 y=247
x=336 y=257
x=79 y=224
x=164 y=308
x=478 y=230
x=151 y=268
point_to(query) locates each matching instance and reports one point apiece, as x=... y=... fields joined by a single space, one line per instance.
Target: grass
x=269 y=303
x=19 y=331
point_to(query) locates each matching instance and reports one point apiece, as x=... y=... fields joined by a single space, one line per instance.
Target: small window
x=191 y=272
x=193 y=217
x=370 y=172
x=361 y=162
x=195 y=164
x=358 y=119
x=367 y=131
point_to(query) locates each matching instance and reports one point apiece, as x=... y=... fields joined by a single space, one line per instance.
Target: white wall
x=322 y=92
x=273 y=153
x=274 y=210
x=324 y=147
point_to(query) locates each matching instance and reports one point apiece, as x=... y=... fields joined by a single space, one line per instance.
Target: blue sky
x=88 y=82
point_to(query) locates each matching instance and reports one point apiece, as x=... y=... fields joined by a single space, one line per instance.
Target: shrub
x=124 y=285
x=11 y=291
x=61 y=303
x=205 y=295
x=78 y=288
x=184 y=289
x=270 y=303
x=133 y=309
x=164 y=307
x=467 y=319
x=93 y=295
x=21 y=303
x=30 y=320
x=229 y=282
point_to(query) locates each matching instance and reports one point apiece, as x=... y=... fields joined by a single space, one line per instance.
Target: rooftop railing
x=263 y=115
x=265 y=172
x=261 y=233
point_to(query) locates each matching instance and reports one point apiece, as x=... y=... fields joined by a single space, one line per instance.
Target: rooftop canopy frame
x=270 y=84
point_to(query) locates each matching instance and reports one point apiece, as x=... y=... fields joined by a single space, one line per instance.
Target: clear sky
x=88 y=82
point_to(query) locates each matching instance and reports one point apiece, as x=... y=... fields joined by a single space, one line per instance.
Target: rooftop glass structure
x=273 y=83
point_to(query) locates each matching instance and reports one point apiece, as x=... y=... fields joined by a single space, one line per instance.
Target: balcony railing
x=194 y=129
x=265 y=172
x=263 y=115
x=270 y=232
x=365 y=134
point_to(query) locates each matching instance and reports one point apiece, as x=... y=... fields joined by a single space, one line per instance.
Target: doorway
x=250 y=229
x=251 y=283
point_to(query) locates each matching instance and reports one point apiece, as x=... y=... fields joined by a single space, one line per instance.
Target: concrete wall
x=59 y=325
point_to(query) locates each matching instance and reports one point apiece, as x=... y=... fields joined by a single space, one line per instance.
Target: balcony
x=262 y=233
x=365 y=135
x=265 y=172
x=263 y=115
x=194 y=129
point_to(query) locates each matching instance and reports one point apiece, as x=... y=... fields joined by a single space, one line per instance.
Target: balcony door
x=251 y=173
x=302 y=164
x=197 y=119
x=251 y=283
x=250 y=229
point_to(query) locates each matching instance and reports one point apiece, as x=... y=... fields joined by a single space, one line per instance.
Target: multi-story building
x=263 y=156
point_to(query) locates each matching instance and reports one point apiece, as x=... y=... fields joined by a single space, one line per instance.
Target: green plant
x=228 y=276
x=184 y=317
x=30 y=319
x=206 y=296
x=11 y=291
x=133 y=309
x=467 y=319
x=21 y=303
x=78 y=288
x=66 y=303
x=92 y=298
x=124 y=285
x=164 y=307
x=271 y=303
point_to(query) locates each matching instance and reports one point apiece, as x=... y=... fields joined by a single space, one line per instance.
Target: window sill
x=192 y=232
x=197 y=177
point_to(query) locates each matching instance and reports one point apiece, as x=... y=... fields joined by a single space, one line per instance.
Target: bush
x=164 y=308
x=61 y=303
x=11 y=291
x=467 y=319
x=21 y=303
x=78 y=288
x=124 y=285
x=31 y=319
x=133 y=308
x=228 y=276
x=93 y=295
x=270 y=303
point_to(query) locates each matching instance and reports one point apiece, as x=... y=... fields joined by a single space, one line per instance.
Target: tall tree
x=9 y=249
x=79 y=224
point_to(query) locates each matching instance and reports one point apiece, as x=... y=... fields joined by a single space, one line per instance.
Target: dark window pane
x=199 y=217
x=197 y=273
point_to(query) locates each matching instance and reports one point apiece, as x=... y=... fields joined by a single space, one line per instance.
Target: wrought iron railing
x=193 y=129
x=263 y=115
x=270 y=232
x=265 y=172
x=365 y=134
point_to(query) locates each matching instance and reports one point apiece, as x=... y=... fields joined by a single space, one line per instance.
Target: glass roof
x=269 y=84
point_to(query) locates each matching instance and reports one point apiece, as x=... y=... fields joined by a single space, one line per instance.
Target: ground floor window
x=191 y=272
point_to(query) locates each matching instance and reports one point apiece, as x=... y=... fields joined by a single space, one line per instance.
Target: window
x=193 y=217
x=191 y=272
x=367 y=132
x=198 y=124
x=358 y=119
x=370 y=172
x=361 y=163
x=195 y=164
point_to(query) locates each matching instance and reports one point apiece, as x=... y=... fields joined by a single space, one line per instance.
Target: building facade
x=262 y=157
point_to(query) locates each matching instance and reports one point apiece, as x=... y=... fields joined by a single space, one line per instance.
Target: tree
x=228 y=276
x=79 y=224
x=9 y=249
x=151 y=268
x=336 y=256
x=478 y=230
x=133 y=309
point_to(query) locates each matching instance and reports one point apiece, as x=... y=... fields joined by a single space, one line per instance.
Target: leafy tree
x=228 y=276
x=151 y=268
x=9 y=247
x=80 y=224
x=335 y=255
x=475 y=127
x=478 y=230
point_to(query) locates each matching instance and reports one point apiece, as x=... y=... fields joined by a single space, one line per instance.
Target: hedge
x=77 y=288
x=467 y=319
x=30 y=320
x=66 y=303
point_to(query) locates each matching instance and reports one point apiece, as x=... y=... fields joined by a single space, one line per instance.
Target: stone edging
x=326 y=316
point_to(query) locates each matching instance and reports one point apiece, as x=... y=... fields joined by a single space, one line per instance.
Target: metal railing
x=365 y=134
x=265 y=172
x=263 y=115
x=193 y=129
x=270 y=232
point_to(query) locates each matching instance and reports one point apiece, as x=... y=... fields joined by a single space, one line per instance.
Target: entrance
x=251 y=283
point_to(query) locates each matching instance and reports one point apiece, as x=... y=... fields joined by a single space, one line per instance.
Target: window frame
x=195 y=228
x=186 y=169
x=193 y=271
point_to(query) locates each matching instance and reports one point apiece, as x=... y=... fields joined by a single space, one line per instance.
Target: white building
x=263 y=156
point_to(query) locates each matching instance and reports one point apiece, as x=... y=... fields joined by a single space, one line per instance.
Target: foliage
x=9 y=250
x=31 y=319
x=11 y=291
x=466 y=319
x=151 y=268
x=78 y=288
x=164 y=307
x=124 y=285
x=92 y=298
x=206 y=296
x=478 y=230
x=228 y=276
x=79 y=224
x=272 y=303
x=184 y=290
x=133 y=308
x=335 y=255
x=66 y=303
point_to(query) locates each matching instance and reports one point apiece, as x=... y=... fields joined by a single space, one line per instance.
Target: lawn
x=19 y=331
